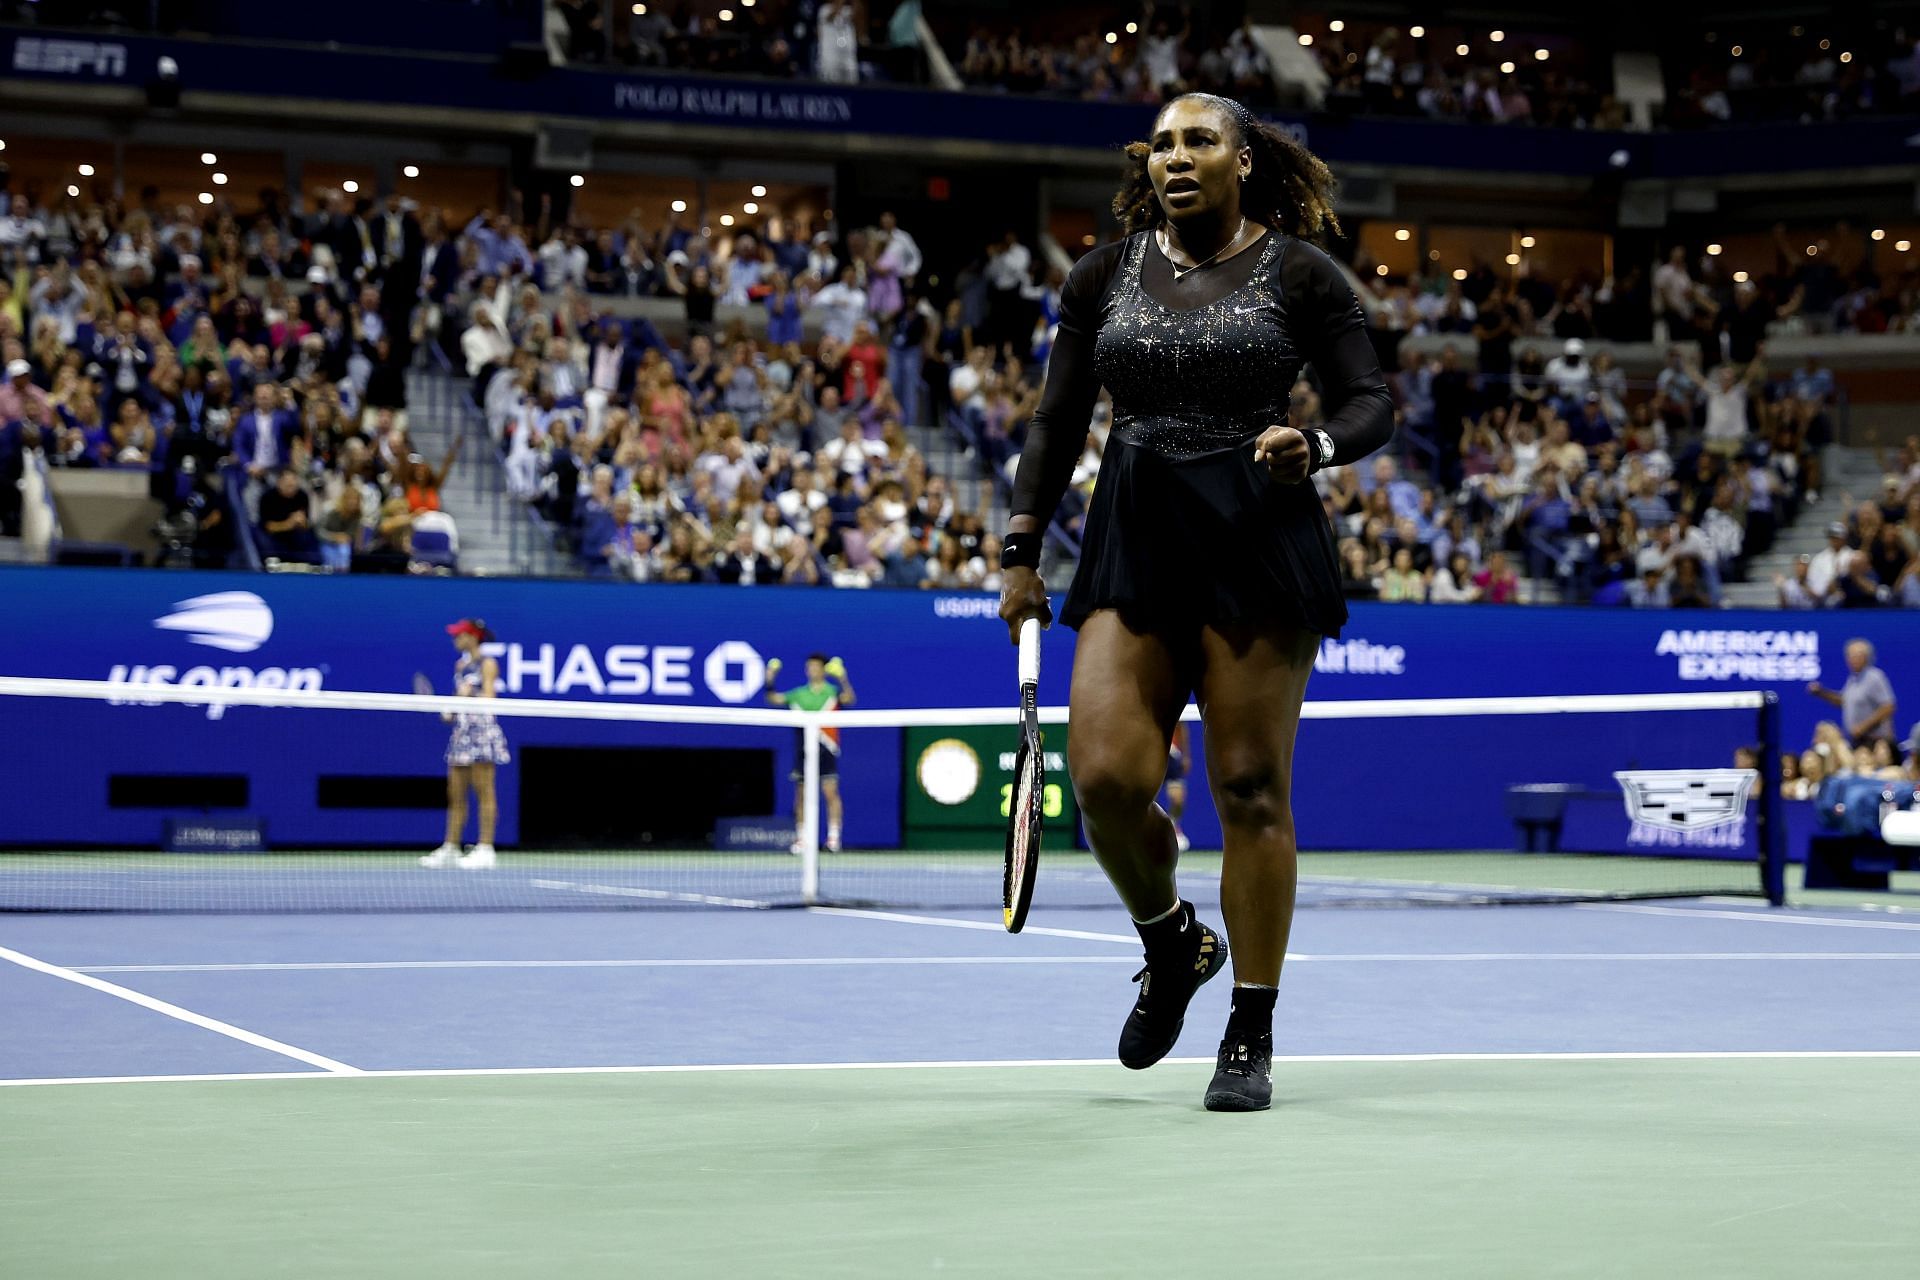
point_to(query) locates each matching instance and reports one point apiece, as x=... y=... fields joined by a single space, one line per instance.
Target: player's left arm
x=837 y=672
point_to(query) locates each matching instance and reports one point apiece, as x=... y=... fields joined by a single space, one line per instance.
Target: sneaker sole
x=1228 y=1100
x=1219 y=962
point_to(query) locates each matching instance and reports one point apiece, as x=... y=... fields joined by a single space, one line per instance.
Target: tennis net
x=169 y=798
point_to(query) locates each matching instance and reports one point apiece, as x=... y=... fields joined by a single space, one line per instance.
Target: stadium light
x=1336 y=26
x=1879 y=233
x=1798 y=32
x=86 y=171
x=1713 y=251
x=1513 y=259
x=746 y=4
x=1539 y=55
x=411 y=171
x=1305 y=38
x=3 y=144
x=759 y=192
x=1846 y=57
x=749 y=207
x=1113 y=37
x=639 y=11
x=1736 y=51
x=1433 y=255
x=726 y=219
x=1739 y=277
x=349 y=186
x=1461 y=49
x=1380 y=270
x=1459 y=273
x=1403 y=234
x=1417 y=32
x=578 y=180
x=1812 y=249
x=73 y=191
x=219 y=179
x=1825 y=44
x=1496 y=35
x=1506 y=68
x=679 y=206
x=206 y=197
x=1902 y=245
x=1526 y=242
x=1133 y=28
x=207 y=157
x=1087 y=240
x=726 y=15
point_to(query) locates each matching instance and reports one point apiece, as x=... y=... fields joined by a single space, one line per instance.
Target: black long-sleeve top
x=1320 y=321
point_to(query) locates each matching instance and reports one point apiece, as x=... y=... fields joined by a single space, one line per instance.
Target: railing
x=246 y=539
x=446 y=399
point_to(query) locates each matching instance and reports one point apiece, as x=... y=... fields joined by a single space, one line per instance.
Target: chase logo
x=237 y=621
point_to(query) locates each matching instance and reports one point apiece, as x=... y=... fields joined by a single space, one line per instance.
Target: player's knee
x=1253 y=794
x=1108 y=787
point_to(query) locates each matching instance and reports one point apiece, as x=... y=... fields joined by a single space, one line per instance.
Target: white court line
x=770 y=962
x=1305 y=1059
x=946 y=922
x=778 y=962
x=200 y=1020
x=1776 y=917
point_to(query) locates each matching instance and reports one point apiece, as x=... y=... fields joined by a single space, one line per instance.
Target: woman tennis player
x=1207 y=566
x=476 y=748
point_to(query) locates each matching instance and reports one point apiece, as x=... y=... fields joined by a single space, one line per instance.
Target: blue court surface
x=268 y=1023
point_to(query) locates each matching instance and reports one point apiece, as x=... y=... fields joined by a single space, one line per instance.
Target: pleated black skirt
x=1175 y=546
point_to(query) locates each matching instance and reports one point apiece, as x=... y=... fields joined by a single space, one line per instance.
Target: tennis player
x=827 y=689
x=476 y=748
x=1207 y=566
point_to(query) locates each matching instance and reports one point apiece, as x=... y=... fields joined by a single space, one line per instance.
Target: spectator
x=1830 y=564
x=285 y=520
x=1866 y=701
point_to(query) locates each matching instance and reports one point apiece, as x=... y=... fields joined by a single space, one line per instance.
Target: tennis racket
x=1029 y=786
x=423 y=685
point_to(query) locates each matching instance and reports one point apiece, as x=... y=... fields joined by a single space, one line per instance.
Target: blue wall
x=1384 y=783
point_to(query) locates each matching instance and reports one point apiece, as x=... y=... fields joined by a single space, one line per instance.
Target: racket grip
x=1029 y=652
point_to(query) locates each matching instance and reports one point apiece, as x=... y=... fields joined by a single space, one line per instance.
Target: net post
x=1773 y=831
x=808 y=818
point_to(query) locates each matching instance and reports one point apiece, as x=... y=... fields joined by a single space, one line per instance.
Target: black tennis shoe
x=1167 y=984
x=1243 y=1076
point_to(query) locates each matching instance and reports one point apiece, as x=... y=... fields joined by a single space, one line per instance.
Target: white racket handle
x=1030 y=653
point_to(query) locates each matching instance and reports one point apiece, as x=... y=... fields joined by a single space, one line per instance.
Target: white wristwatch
x=1322 y=448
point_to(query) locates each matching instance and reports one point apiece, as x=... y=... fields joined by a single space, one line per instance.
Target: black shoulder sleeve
x=1057 y=433
x=1330 y=330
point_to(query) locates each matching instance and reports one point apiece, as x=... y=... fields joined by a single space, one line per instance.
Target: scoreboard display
x=959 y=785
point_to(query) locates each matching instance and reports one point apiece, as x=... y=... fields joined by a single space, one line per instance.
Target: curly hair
x=1288 y=188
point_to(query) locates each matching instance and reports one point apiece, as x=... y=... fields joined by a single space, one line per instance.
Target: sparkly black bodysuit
x=1185 y=528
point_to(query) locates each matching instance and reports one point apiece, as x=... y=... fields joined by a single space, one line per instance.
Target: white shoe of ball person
x=479 y=858
x=447 y=855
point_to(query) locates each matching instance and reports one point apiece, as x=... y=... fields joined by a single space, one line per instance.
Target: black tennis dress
x=1186 y=528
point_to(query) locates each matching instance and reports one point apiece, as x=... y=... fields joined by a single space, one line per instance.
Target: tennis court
x=1698 y=1088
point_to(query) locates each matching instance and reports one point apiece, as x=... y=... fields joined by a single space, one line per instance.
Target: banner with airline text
x=1359 y=784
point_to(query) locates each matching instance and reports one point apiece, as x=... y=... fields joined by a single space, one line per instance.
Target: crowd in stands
x=194 y=348
x=1379 y=69
x=201 y=345
x=1794 y=71
x=1560 y=471
x=741 y=455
